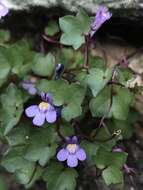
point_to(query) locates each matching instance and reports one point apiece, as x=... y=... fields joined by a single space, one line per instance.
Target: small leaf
x=4 y=36
x=106 y=158
x=44 y=65
x=112 y=175
x=71 y=111
x=12 y=108
x=4 y=67
x=55 y=178
x=41 y=146
x=74 y=28
x=97 y=79
x=122 y=99
x=52 y=28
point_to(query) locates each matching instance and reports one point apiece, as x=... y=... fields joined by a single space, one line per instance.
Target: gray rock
x=73 y=5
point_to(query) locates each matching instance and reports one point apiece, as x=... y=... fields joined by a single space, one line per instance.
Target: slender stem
x=50 y=40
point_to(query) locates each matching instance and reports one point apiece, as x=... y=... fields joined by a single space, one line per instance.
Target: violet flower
x=44 y=111
x=102 y=16
x=72 y=152
x=3 y=10
x=29 y=85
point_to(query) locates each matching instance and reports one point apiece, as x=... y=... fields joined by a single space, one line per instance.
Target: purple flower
x=3 y=10
x=29 y=85
x=72 y=152
x=44 y=111
x=102 y=16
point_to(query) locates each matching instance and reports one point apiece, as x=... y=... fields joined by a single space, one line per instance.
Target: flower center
x=43 y=106
x=72 y=148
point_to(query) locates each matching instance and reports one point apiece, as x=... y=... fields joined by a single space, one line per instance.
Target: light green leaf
x=43 y=65
x=72 y=96
x=71 y=111
x=52 y=28
x=74 y=28
x=112 y=175
x=97 y=79
x=4 y=36
x=25 y=173
x=4 y=67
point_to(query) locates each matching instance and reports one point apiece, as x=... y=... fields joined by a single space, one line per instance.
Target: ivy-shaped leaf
x=112 y=175
x=97 y=79
x=59 y=178
x=43 y=65
x=12 y=108
x=74 y=28
x=121 y=102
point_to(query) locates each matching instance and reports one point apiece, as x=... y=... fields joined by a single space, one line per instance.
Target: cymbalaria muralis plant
x=63 y=110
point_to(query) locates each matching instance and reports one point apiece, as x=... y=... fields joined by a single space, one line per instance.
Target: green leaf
x=19 y=57
x=122 y=99
x=13 y=159
x=37 y=175
x=42 y=146
x=4 y=67
x=52 y=28
x=55 y=88
x=90 y=149
x=112 y=175
x=67 y=130
x=55 y=177
x=12 y=108
x=3 y=185
x=19 y=135
x=74 y=28
x=44 y=65
x=126 y=127
x=25 y=173
x=97 y=79
x=106 y=158
x=71 y=111
x=71 y=97
x=4 y=36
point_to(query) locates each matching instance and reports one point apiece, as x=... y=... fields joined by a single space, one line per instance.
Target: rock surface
x=135 y=6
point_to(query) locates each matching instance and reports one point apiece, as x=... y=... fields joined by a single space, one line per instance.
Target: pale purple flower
x=102 y=16
x=72 y=152
x=29 y=85
x=3 y=10
x=45 y=111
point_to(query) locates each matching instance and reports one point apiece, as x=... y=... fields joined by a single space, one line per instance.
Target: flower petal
x=72 y=161
x=39 y=119
x=32 y=90
x=74 y=139
x=51 y=116
x=81 y=155
x=62 y=155
x=31 y=111
x=3 y=10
